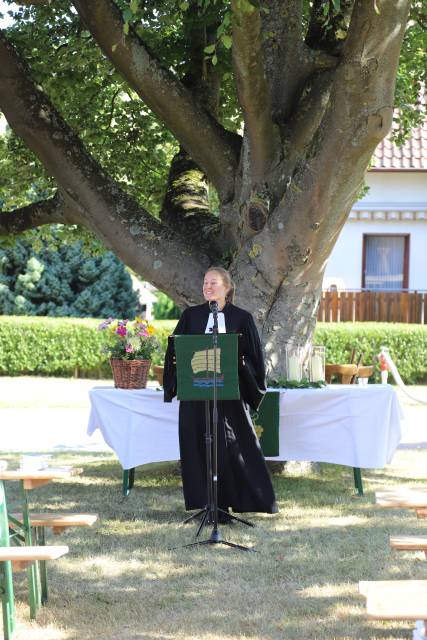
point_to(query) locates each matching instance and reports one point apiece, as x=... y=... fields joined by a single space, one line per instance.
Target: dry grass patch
x=121 y=581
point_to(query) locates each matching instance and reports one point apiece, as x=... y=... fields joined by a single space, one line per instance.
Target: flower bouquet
x=130 y=346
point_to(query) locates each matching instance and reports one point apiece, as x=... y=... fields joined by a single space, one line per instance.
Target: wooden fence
x=374 y=306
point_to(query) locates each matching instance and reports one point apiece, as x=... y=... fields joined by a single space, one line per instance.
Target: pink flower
x=129 y=348
x=121 y=330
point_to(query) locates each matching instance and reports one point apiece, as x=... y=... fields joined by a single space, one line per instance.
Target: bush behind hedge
x=72 y=346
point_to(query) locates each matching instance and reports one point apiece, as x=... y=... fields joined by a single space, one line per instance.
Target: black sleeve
x=252 y=369
x=169 y=372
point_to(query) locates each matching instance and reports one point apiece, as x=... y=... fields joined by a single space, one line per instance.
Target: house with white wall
x=383 y=245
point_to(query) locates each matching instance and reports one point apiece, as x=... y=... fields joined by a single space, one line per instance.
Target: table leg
x=128 y=480
x=358 y=480
x=131 y=477
x=33 y=569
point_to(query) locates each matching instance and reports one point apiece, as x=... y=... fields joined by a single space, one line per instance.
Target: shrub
x=59 y=346
x=72 y=346
x=407 y=344
x=64 y=282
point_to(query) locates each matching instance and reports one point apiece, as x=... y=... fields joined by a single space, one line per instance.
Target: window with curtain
x=385 y=262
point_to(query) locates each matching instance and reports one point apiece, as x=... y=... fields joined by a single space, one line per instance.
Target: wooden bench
x=17 y=559
x=403 y=498
x=396 y=600
x=409 y=543
x=58 y=522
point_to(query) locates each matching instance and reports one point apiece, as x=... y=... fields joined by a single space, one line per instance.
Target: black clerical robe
x=244 y=482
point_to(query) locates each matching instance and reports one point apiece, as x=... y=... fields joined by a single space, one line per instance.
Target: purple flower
x=129 y=348
x=121 y=330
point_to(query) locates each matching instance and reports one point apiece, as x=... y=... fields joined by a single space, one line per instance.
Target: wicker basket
x=130 y=374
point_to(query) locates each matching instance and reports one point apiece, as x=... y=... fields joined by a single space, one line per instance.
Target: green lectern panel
x=195 y=367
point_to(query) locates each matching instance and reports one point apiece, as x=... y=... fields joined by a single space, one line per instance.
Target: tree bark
x=314 y=112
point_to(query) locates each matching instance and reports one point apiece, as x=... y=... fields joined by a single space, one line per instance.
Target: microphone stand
x=211 y=510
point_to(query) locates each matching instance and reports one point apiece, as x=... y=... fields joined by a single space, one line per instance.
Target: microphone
x=213 y=306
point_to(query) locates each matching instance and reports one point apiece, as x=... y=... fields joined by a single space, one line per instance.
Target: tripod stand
x=211 y=512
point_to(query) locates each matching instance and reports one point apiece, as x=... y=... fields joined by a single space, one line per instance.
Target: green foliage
x=64 y=281
x=407 y=344
x=133 y=146
x=70 y=346
x=165 y=308
x=60 y=346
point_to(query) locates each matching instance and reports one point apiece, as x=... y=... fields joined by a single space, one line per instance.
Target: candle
x=294 y=369
x=317 y=369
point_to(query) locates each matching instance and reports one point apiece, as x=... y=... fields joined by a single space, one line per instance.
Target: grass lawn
x=120 y=581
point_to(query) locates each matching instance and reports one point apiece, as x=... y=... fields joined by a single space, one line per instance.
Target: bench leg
x=33 y=569
x=358 y=480
x=41 y=540
x=7 y=600
x=128 y=480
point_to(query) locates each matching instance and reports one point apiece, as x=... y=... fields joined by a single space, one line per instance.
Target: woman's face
x=214 y=288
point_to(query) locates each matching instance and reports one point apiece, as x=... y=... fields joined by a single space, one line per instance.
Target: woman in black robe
x=244 y=483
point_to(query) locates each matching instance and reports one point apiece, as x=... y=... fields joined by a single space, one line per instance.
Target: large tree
x=259 y=116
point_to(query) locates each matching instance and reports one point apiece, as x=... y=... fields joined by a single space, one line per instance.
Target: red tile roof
x=411 y=156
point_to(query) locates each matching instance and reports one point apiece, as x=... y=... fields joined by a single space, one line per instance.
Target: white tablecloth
x=343 y=424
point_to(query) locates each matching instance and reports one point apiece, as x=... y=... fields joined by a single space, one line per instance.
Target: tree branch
x=97 y=200
x=209 y=144
x=36 y=214
x=253 y=90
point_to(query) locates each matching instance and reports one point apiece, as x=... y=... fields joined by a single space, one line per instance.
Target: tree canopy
x=191 y=132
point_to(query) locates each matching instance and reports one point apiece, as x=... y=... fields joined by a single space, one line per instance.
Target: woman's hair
x=228 y=282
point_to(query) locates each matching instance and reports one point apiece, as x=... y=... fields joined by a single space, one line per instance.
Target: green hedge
x=72 y=347
x=59 y=346
x=407 y=344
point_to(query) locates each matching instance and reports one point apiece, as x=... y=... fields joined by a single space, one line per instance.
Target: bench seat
x=21 y=557
x=395 y=599
x=409 y=543
x=60 y=521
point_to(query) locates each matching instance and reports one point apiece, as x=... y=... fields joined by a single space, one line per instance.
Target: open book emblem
x=202 y=364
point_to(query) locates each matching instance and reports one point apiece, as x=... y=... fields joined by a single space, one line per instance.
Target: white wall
x=346 y=259
x=394 y=187
x=389 y=192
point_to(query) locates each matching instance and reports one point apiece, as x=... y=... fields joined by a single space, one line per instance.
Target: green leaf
x=113 y=48
x=214 y=59
x=337 y=5
x=210 y=48
x=134 y=5
x=127 y=15
x=184 y=6
x=226 y=41
x=126 y=28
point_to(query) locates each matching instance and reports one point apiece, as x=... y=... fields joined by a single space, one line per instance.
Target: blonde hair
x=228 y=282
